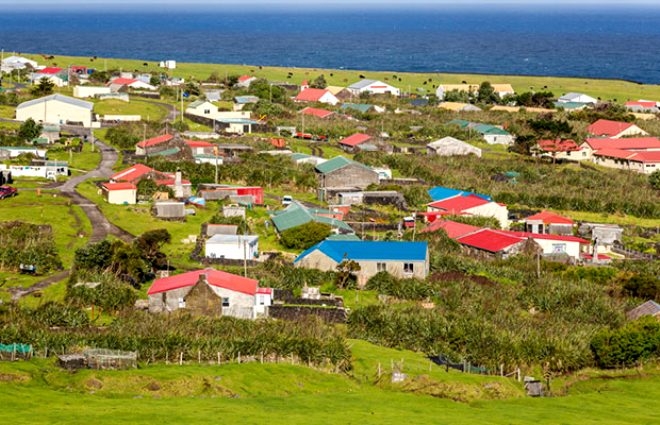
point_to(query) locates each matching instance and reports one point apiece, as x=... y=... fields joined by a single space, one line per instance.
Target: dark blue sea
x=595 y=42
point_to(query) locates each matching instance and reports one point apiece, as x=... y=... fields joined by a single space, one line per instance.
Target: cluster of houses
x=612 y=144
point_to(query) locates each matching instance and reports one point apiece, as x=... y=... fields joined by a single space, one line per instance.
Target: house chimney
x=178 y=185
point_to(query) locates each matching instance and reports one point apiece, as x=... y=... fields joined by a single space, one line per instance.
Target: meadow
x=253 y=393
x=419 y=83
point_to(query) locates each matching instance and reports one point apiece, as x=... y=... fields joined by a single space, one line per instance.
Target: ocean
x=616 y=43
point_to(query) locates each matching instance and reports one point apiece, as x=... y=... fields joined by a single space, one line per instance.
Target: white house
x=58 y=76
x=232 y=247
x=317 y=95
x=372 y=87
x=202 y=108
x=577 y=98
x=56 y=109
x=48 y=170
x=450 y=146
x=471 y=205
x=12 y=63
x=210 y=292
x=119 y=193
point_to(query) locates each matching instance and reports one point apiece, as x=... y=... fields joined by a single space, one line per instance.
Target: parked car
x=287 y=199
x=7 y=192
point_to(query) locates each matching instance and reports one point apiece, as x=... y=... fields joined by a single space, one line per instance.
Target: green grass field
x=84 y=161
x=38 y=392
x=149 y=111
x=605 y=89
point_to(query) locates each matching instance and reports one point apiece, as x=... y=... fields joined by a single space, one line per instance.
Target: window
x=407 y=267
x=261 y=300
x=182 y=303
x=207 y=111
x=381 y=267
x=225 y=301
x=558 y=248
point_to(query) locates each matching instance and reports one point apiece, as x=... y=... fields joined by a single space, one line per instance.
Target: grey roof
x=649 y=308
x=362 y=84
x=236 y=239
x=58 y=98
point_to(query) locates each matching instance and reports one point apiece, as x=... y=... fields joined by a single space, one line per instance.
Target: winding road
x=101 y=227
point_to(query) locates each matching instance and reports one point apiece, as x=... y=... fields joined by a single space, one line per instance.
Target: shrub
x=627 y=346
x=305 y=236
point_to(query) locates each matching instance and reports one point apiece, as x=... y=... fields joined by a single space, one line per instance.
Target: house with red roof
x=122 y=84
x=138 y=172
x=352 y=142
x=121 y=193
x=614 y=129
x=200 y=147
x=56 y=75
x=153 y=145
x=316 y=95
x=643 y=106
x=471 y=205
x=558 y=246
x=317 y=112
x=547 y=222
x=210 y=292
x=635 y=144
x=453 y=229
x=492 y=243
x=559 y=149
x=245 y=81
x=645 y=162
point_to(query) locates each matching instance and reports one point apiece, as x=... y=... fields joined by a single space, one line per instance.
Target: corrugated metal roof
x=337 y=163
x=213 y=277
x=370 y=250
x=439 y=193
x=490 y=240
x=360 y=107
x=296 y=214
x=362 y=84
x=58 y=98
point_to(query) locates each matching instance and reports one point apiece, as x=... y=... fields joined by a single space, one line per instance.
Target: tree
x=154 y=80
x=29 y=130
x=319 y=82
x=44 y=87
x=457 y=96
x=99 y=77
x=654 y=179
x=486 y=93
x=345 y=271
x=149 y=245
x=305 y=235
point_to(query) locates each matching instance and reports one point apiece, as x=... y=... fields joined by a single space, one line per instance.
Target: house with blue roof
x=400 y=259
x=440 y=193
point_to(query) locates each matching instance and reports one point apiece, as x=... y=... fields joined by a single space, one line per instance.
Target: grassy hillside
x=605 y=89
x=39 y=392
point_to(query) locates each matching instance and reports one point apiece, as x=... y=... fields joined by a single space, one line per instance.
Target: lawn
x=148 y=110
x=84 y=161
x=7 y=111
x=253 y=393
x=605 y=89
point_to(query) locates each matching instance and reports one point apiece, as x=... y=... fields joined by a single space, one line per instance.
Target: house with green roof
x=297 y=214
x=343 y=172
x=493 y=135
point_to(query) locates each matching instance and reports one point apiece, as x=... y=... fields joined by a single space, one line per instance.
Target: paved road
x=101 y=227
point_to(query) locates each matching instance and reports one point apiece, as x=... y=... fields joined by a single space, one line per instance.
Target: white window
x=182 y=303
x=381 y=267
x=558 y=248
x=408 y=267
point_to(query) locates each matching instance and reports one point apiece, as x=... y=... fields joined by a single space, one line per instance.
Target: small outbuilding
x=450 y=146
x=232 y=247
x=119 y=193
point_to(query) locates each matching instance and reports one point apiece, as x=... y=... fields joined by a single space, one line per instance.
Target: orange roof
x=123 y=81
x=199 y=144
x=558 y=145
x=132 y=174
x=320 y=113
x=119 y=186
x=155 y=141
x=355 y=139
x=311 y=95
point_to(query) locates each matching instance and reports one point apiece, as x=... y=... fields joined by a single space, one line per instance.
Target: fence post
x=181 y=358
x=199 y=356
x=239 y=357
x=262 y=357
x=501 y=369
x=218 y=357
x=379 y=370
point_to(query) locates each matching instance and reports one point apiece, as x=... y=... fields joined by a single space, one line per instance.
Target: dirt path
x=101 y=227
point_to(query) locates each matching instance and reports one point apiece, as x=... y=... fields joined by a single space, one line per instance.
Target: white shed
x=450 y=146
x=119 y=193
x=232 y=247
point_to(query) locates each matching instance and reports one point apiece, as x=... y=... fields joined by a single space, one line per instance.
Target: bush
x=627 y=346
x=305 y=236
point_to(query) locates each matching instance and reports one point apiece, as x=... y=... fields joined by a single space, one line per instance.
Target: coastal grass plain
x=254 y=393
x=419 y=83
